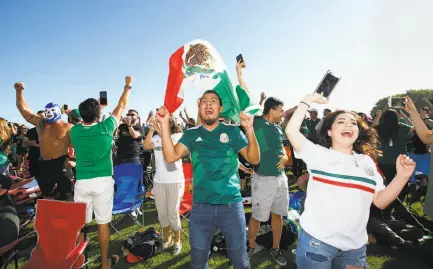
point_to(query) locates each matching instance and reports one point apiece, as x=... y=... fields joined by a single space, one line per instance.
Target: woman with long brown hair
x=5 y=137
x=344 y=182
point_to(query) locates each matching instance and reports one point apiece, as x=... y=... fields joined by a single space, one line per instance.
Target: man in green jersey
x=217 y=203
x=269 y=183
x=92 y=142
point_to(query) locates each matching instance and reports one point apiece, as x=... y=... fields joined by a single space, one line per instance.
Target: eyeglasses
x=131 y=115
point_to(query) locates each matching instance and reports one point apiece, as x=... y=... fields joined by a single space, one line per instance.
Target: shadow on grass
x=394 y=258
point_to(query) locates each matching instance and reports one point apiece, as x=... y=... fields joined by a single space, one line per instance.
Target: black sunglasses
x=131 y=115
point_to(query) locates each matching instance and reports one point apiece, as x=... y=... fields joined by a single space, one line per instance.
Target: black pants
x=9 y=228
x=34 y=164
x=53 y=172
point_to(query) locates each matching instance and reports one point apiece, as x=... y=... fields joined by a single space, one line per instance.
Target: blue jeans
x=314 y=254
x=203 y=222
x=133 y=160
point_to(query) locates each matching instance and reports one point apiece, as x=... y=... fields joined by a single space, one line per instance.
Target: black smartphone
x=103 y=98
x=397 y=102
x=65 y=107
x=327 y=85
x=239 y=58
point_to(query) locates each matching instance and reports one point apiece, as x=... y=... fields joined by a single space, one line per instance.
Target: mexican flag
x=199 y=64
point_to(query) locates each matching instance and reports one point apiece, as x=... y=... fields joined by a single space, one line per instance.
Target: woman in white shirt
x=168 y=185
x=343 y=183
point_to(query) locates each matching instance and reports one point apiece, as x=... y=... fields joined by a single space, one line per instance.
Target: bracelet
x=128 y=87
x=302 y=102
x=129 y=126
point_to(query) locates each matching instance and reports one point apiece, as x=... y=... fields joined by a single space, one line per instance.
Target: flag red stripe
x=175 y=78
x=341 y=184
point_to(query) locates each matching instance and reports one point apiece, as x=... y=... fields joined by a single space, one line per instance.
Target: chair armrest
x=76 y=252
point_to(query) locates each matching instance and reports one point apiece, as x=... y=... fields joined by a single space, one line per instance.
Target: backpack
x=218 y=244
x=142 y=246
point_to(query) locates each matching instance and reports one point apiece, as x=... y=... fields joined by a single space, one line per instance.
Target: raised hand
x=409 y=105
x=128 y=81
x=316 y=98
x=19 y=86
x=163 y=116
x=247 y=120
x=405 y=167
x=240 y=66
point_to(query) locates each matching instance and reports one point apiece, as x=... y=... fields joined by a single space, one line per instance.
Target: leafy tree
x=416 y=95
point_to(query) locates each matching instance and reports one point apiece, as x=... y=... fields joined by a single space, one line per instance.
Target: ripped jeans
x=314 y=254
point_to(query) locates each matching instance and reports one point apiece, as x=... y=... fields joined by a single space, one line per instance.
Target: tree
x=416 y=95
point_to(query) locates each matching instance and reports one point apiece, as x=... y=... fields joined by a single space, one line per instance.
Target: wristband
x=128 y=87
x=302 y=102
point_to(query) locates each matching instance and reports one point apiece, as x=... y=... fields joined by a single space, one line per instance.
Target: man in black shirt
x=32 y=143
x=130 y=138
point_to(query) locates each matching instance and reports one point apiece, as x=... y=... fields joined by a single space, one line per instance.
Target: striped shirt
x=339 y=195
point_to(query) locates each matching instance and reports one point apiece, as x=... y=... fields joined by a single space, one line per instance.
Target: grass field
x=378 y=256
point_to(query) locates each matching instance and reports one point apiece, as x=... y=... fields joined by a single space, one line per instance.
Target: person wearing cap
x=311 y=124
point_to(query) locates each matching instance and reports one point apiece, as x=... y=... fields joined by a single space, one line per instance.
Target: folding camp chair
x=58 y=225
x=130 y=192
x=11 y=252
x=25 y=191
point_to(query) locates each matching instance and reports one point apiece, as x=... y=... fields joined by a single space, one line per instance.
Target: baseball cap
x=75 y=114
x=313 y=110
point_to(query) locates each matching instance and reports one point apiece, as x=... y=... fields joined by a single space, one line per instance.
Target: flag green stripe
x=360 y=179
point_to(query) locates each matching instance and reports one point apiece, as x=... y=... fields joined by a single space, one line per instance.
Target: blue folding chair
x=422 y=164
x=130 y=191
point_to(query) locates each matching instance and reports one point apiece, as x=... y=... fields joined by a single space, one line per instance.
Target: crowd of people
x=355 y=166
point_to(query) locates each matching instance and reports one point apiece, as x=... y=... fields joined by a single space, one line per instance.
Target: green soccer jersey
x=93 y=147
x=214 y=156
x=270 y=139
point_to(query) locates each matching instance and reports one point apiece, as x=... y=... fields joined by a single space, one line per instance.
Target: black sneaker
x=278 y=256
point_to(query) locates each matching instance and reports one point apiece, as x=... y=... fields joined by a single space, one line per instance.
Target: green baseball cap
x=75 y=113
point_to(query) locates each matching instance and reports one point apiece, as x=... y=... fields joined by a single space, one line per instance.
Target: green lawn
x=378 y=256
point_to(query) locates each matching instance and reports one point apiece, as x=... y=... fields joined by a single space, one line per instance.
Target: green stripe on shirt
x=361 y=179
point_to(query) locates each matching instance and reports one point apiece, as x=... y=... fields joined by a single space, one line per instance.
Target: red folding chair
x=58 y=225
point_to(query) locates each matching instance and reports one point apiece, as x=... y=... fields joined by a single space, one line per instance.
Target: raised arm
x=251 y=153
x=239 y=72
x=147 y=142
x=405 y=167
x=171 y=152
x=297 y=139
x=24 y=108
x=421 y=129
x=121 y=106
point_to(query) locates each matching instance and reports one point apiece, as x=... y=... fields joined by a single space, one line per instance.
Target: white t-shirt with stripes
x=339 y=195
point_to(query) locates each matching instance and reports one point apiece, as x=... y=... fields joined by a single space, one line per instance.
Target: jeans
x=133 y=160
x=203 y=222
x=314 y=254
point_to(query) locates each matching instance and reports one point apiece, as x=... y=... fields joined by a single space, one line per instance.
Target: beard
x=210 y=121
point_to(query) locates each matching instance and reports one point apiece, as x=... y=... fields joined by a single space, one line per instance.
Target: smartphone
x=103 y=98
x=397 y=102
x=65 y=107
x=327 y=85
x=239 y=58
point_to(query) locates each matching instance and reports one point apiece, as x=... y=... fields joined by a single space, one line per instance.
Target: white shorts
x=97 y=194
x=269 y=194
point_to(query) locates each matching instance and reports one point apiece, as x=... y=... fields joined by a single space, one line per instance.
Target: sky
x=67 y=51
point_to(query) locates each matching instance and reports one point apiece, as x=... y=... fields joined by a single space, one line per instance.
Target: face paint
x=53 y=113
